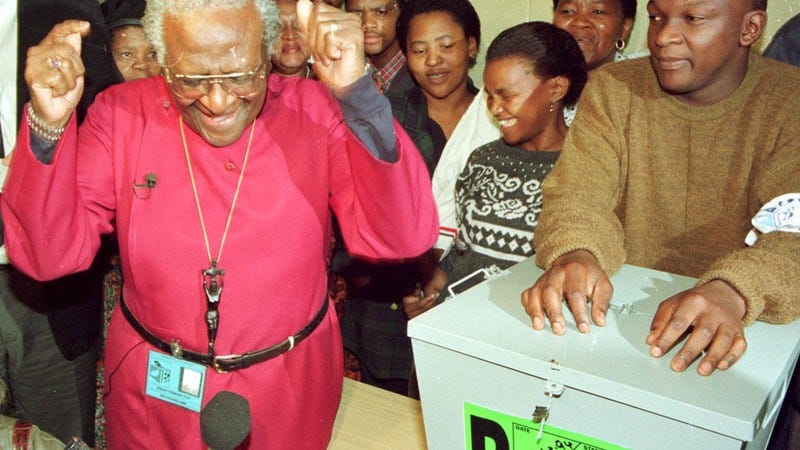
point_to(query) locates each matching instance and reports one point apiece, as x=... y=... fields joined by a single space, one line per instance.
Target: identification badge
x=175 y=380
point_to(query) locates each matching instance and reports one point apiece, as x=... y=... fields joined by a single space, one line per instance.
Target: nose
x=664 y=34
x=217 y=99
x=141 y=64
x=433 y=56
x=290 y=33
x=494 y=107
x=582 y=19
x=369 y=21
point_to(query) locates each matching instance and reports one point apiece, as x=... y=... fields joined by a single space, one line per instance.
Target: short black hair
x=628 y=8
x=550 y=51
x=120 y=13
x=461 y=11
x=760 y=4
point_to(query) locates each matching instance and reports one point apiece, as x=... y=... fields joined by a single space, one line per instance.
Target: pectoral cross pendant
x=213 y=280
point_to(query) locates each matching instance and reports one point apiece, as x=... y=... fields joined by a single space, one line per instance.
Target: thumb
x=74 y=39
x=304 y=8
x=70 y=32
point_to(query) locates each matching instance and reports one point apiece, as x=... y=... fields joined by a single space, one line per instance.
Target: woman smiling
x=533 y=70
x=600 y=27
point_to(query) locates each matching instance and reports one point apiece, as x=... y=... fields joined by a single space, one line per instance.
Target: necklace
x=213 y=277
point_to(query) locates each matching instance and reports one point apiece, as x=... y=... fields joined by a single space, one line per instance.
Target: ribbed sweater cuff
x=754 y=301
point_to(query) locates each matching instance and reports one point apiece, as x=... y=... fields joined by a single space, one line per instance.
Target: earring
x=552 y=106
x=620 y=45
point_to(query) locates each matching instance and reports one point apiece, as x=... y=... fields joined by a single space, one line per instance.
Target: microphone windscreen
x=225 y=421
x=151 y=179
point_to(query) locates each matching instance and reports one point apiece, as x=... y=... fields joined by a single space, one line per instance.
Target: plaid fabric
x=383 y=76
x=376 y=333
x=410 y=110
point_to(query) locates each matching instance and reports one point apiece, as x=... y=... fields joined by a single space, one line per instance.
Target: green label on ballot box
x=491 y=430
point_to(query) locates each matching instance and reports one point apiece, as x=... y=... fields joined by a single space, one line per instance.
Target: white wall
x=497 y=15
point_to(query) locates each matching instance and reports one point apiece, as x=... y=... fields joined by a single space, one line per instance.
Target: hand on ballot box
x=711 y=314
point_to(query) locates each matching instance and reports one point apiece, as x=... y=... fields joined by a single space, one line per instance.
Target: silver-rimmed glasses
x=239 y=84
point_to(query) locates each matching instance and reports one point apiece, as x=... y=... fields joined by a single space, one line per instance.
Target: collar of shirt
x=383 y=76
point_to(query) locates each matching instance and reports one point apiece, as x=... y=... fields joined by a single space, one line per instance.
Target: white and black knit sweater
x=498 y=201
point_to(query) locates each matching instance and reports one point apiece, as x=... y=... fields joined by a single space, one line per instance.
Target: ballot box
x=489 y=381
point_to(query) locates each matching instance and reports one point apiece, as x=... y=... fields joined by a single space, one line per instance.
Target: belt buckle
x=217 y=360
x=175 y=348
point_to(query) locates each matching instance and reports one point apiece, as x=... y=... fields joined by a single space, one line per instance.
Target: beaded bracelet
x=41 y=129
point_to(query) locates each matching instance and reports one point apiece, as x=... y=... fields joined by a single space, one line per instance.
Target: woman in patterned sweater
x=533 y=71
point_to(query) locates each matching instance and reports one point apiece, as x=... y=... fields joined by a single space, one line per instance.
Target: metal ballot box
x=477 y=351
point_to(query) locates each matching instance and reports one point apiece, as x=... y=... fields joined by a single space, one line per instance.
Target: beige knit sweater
x=647 y=180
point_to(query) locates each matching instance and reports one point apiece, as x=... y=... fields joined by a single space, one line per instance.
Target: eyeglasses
x=192 y=87
x=381 y=11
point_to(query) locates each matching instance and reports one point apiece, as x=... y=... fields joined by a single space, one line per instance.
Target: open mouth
x=507 y=123
x=218 y=123
x=584 y=40
x=291 y=49
x=436 y=77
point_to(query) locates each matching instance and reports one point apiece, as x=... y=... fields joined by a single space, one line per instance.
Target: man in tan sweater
x=666 y=164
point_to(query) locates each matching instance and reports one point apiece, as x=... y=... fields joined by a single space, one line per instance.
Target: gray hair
x=153 y=20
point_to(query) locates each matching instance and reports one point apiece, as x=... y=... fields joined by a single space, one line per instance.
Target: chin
x=372 y=50
x=222 y=138
x=672 y=84
x=219 y=140
x=439 y=91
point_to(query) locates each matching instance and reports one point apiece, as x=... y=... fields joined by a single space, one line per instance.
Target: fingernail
x=678 y=364
x=583 y=327
x=655 y=352
x=537 y=323
x=601 y=320
x=558 y=328
x=704 y=369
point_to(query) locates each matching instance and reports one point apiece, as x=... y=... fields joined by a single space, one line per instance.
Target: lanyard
x=213 y=277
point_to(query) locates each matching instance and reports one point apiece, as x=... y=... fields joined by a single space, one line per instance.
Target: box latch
x=541 y=413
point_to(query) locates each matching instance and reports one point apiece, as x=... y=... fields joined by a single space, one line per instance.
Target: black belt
x=225 y=363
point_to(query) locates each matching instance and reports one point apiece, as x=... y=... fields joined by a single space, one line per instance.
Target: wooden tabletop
x=373 y=418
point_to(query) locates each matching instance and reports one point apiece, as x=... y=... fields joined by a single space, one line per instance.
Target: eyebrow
x=503 y=90
x=696 y=3
x=436 y=39
x=685 y=4
x=372 y=6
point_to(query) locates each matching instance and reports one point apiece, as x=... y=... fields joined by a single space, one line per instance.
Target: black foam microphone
x=225 y=421
x=150 y=179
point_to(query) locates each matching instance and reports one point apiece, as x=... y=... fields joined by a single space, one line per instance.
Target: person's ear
x=472 y=51
x=472 y=48
x=627 y=27
x=559 y=86
x=753 y=24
